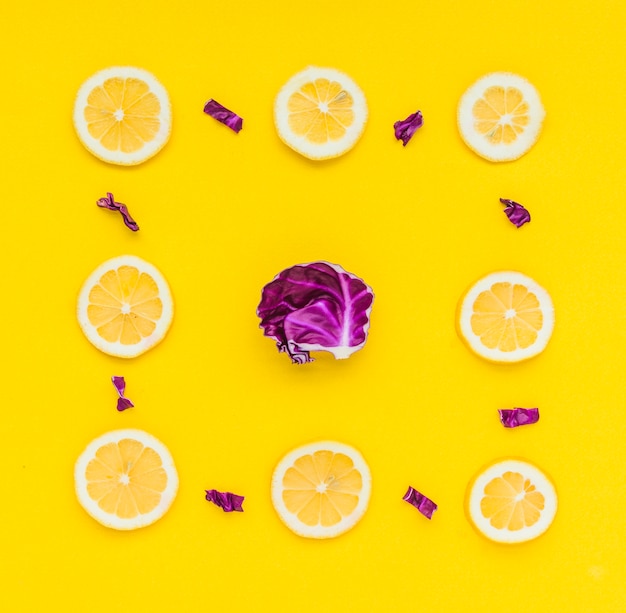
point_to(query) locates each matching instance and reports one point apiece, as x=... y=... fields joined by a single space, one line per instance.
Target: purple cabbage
x=423 y=504
x=516 y=213
x=123 y=403
x=110 y=204
x=225 y=500
x=316 y=307
x=512 y=418
x=405 y=129
x=223 y=115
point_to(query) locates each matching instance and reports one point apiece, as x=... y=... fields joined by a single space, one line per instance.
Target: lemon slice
x=126 y=479
x=322 y=489
x=500 y=116
x=511 y=501
x=320 y=113
x=125 y=306
x=122 y=115
x=506 y=317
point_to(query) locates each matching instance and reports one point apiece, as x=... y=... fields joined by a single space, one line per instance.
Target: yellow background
x=221 y=214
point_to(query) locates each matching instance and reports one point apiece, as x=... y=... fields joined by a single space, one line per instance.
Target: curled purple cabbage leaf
x=423 y=504
x=109 y=203
x=517 y=214
x=123 y=403
x=406 y=128
x=512 y=418
x=316 y=307
x=226 y=501
x=223 y=115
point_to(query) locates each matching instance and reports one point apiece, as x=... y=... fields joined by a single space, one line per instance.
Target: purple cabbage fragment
x=110 y=204
x=123 y=403
x=512 y=418
x=516 y=213
x=225 y=500
x=223 y=115
x=405 y=129
x=316 y=307
x=423 y=504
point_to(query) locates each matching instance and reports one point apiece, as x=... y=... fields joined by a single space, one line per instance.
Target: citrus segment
x=122 y=115
x=322 y=489
x=511 y=501
x=500 y=116
x=126 y=479
x=320 y=113
x=125 y=307
x=506 y=317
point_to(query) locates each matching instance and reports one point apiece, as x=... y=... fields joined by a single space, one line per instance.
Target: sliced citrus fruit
x=500 y=116
x=320 y=113
x=126 y=479
x=511 y=501
x=322 y=489
x=506 y=317
x=122 y=115
x=125 y=306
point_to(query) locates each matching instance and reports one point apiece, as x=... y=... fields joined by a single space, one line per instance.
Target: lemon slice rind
x=332 y=148
x=472 y=340
x=113 y=521
x=318 y=531
x=477 y=141
x=538 y=478
x=92 y=144
x=162 y=325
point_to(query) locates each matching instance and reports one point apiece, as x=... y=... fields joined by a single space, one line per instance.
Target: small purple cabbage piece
x=225 y=500
x=316 y=307
x=423 y=504
x=109 y=203
x=223 y=115
x=405 y=129
x=516 y=213
x=123 y=403
x=512 y=418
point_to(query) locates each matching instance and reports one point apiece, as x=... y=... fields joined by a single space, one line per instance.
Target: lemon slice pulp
x=126 y=479
x=322 y=489
x=506 y=317
x=511 y=501
x=320 y=113
x=125 y=307
x=122 y=115
x=500 y=116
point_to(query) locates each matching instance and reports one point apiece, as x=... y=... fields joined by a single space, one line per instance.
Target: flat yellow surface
x=221 y=214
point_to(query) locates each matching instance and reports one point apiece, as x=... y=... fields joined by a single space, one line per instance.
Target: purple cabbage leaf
x=512 y=418
x=229 y=118
x=406 y=128
x=226 y=501
x=316 y=307
x=518 y=215
x=422 y=503
x=123 y=403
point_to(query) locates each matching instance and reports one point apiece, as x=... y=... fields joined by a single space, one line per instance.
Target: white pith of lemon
x=125 y=306
x=126 y=479
x=322 y=489
x=122 y=115
x=506 y=317
x=511 y=501
x=320 y=113
x=500 y=116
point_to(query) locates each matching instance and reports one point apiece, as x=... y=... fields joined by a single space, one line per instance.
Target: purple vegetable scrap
x=316 y=307
x=423 y=504
x=516 y=213
x=512 y=418
x=223 y=115
x=405 y=129
x=123 y=403
x=227 y=501
x=109 y=203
